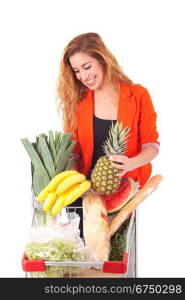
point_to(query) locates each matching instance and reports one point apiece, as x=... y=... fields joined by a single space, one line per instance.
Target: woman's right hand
x=74 y=166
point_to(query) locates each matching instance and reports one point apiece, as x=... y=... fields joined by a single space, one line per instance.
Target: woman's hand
x=74 y=166
x=126 y=164
x=123 y=163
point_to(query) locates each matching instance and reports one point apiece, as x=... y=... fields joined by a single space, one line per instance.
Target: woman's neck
x=107 y=93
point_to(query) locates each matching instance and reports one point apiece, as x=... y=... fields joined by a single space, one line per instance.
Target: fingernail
x=110 y=157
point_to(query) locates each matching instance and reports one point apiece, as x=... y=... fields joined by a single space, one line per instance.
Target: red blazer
x=135 y=110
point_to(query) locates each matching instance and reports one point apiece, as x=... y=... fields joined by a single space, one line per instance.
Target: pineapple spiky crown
x=116 y=142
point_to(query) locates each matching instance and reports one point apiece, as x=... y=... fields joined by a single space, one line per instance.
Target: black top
x=101 y=130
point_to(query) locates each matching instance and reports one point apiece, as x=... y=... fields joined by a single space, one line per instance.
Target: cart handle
x=39 y=265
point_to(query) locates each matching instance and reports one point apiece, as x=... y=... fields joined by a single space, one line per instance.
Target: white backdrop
x=147 y=39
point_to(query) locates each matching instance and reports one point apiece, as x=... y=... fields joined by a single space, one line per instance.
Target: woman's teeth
x=90 y=81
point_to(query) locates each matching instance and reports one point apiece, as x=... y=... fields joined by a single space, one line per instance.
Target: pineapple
x=103 y=177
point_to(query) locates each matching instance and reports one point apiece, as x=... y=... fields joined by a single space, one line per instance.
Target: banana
x=58 y=178
x=77 y=192
x=49 y=201
x=60 y=201
x=70 y=181
x=52 y=185
x=43 y=194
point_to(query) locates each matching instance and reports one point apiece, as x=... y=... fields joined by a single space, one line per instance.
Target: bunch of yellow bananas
x=62 y=190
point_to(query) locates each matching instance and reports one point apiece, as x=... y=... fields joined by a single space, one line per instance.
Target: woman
x=94 y=92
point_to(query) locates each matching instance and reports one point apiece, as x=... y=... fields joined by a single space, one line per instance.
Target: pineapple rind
x=108 y=182
x=104 y=176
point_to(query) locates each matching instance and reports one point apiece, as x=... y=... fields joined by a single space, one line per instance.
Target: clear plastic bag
x=57 y=240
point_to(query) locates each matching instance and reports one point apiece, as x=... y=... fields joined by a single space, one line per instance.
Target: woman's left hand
x=123 y=163
x=126 y=164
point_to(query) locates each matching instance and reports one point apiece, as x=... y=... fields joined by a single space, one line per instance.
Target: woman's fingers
x=120 y=174
x=118 y=166
x=118 y=158
x=120 y=162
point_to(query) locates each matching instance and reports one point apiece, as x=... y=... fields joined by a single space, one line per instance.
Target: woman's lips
x=90 y=82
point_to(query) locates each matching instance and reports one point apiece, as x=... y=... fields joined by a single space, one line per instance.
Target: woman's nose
x=83 y=75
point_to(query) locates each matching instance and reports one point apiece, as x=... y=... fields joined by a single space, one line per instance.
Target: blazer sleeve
x=147 y=120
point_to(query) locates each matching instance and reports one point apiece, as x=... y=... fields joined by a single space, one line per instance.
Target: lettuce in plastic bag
x=56 y=250
x=56 y=241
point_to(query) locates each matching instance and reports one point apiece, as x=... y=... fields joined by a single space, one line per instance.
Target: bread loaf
x=143 y=193
x=95 y=228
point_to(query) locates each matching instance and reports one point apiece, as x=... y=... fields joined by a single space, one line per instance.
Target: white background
x=147 y=39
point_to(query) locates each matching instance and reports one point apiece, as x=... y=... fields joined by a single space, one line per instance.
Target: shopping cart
x=85 y=269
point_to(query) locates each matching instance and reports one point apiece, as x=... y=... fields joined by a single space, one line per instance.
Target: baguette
x=95 y=228
x=143 y=193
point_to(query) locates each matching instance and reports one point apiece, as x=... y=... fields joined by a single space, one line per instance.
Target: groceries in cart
x=95 y=228
x=58 y=240
x=62 y=190
x=55 y=247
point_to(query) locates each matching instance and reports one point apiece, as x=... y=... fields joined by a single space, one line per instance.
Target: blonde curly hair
x=70 y=90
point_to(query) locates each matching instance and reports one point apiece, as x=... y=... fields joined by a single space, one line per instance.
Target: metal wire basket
x=83 y=269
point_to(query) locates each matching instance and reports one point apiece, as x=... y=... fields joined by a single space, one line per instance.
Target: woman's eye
x=85 y=68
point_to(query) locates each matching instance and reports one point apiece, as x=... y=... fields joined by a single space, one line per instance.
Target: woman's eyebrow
x=88 y=62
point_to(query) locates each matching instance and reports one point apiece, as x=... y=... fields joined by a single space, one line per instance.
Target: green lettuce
x=55 y=250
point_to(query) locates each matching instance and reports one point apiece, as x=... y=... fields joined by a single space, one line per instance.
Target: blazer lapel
x=86 y=128
x=126 y=106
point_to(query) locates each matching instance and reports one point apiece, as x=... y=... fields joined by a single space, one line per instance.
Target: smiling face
x=88 y=70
